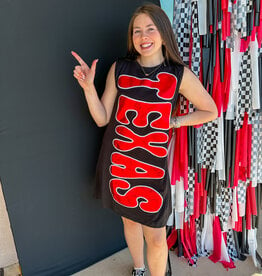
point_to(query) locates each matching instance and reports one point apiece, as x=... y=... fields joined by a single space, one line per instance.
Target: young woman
x=140 y=95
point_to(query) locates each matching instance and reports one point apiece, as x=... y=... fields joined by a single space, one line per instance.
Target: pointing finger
x=78 y=58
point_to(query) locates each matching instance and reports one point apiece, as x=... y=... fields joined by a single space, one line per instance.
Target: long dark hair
x=162 y=22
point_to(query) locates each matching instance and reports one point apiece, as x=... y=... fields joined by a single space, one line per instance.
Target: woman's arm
x=100 y=110
x=192 y=89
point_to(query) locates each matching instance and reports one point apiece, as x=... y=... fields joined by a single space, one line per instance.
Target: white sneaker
x=139 y=272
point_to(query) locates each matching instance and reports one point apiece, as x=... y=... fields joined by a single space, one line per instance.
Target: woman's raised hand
x=84 y=75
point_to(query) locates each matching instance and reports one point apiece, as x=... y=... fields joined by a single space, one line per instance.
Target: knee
x=157 y=241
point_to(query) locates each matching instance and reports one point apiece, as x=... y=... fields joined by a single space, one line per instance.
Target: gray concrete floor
x=12 y=270
x=120 y=264
x=8 y=254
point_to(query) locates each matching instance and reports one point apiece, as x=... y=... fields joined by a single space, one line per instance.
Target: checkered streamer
x=183 y=105
x=234 y=13
x=182 y=30
x=241 y=191
x=208 y=139
x=189 y=194
x=196 y=256
x=198 y=236
x=244 y=93
x=240 y=15
x=201 y=253
x=231 y=247
x=186 y=215
x=194 y=259
x=181 y=27
x=199 y=146
x=218 y=204
x=230 y=39
x=230 y=6
x=249 y=6
x=259 y=159
x=224 y=210
x=198 y=244
x=256 y=151
x=196 y=54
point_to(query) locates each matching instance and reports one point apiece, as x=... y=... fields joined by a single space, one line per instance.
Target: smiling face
x=147 y=39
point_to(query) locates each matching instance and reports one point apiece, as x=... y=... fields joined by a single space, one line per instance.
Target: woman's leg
x=157 y=250
x=135 y=241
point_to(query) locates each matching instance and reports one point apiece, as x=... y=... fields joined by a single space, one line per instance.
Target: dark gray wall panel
x=48 y=141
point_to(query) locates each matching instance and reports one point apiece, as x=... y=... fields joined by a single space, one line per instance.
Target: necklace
x=154 y=70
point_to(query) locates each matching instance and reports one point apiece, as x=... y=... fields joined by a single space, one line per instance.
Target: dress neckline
x=150 y=70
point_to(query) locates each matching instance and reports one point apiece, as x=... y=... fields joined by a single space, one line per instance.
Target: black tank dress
x=132 y=176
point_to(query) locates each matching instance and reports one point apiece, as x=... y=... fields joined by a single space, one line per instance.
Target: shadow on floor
x=120 y=264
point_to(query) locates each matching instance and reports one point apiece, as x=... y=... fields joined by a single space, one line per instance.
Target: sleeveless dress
x=132 y=173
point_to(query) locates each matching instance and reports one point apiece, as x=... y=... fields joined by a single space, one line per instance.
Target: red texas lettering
x=144 y=142
x=128 y=167
x=143 y=109
x=165 y=84
x=151 y=200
